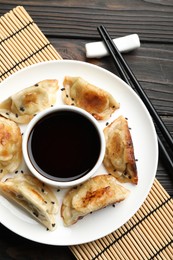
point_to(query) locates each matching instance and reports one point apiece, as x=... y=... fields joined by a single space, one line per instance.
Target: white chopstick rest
x=124 y=44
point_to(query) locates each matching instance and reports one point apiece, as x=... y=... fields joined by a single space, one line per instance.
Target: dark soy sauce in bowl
x=64 y=146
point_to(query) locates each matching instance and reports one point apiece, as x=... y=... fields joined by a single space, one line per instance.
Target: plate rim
x=5 y=81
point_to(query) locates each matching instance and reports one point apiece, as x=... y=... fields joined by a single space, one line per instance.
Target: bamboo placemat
x=22 y=43
x=149 y=233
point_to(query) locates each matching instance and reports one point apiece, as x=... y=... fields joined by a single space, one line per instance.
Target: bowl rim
x=54 y=183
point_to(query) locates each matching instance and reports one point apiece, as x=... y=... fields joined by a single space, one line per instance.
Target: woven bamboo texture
x=22 y=43
x=149 y=233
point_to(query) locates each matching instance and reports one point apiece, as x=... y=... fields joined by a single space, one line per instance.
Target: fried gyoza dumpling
x=119 y=157
x=10 y=145
x=22 y=106
x=33 y=196
x=94 y=100
x=94 y=194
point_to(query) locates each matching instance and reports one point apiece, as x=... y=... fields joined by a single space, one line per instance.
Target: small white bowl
x=54 y=147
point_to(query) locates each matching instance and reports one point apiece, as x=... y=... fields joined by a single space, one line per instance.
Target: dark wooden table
x=68 y=25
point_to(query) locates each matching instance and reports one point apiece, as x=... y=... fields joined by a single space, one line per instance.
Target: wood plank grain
x=69 y=24
x=152 y=67
x=153 y=20
x=13 y=246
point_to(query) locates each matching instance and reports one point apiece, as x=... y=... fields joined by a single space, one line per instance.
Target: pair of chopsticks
x=127 y=75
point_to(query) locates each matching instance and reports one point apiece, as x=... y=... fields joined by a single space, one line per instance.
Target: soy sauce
x=64 y=146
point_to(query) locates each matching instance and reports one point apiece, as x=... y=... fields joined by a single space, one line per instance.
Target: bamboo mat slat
x=22 y=43
x=149 y=233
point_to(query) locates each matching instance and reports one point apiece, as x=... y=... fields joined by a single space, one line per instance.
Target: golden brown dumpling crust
x=119 y=157
x=96 y=193
x=33 y=196
x=10 y=145
x=94 y=100
x=22 y=106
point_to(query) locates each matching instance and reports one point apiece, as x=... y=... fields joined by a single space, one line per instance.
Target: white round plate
x=104 y=221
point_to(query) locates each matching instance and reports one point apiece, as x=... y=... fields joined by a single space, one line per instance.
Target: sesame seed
x=35 y=214
x=22 y=109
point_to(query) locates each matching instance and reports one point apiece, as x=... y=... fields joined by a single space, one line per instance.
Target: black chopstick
x=127 y=75
x=139 y=89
